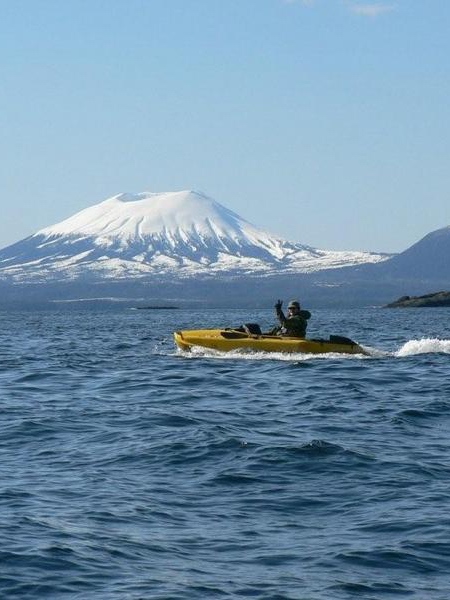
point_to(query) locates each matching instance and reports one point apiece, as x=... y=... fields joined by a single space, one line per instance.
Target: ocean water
x=132 y=471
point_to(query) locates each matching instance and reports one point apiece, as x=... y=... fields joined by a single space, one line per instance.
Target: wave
x=424 y=346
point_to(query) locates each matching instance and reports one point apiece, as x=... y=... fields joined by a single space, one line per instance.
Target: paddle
x=236 y=335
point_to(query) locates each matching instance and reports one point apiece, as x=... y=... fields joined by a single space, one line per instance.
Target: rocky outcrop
x=428 y=300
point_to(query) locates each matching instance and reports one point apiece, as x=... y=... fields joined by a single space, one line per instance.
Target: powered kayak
x=225 y=340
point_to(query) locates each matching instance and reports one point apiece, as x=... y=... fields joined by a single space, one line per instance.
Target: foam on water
x=198 y=352
x=424 y=346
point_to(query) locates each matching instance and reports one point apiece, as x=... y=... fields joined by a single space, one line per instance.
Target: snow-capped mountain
x=175 y=233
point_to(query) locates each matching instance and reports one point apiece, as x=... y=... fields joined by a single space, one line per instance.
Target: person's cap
x=294 y=304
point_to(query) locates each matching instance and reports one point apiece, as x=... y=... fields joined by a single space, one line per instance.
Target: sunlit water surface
x=133 y=471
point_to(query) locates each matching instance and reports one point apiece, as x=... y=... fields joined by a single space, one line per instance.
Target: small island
x=163 y=307
x=428 y=300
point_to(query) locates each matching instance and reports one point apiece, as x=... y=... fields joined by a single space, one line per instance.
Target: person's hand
x=278 y=305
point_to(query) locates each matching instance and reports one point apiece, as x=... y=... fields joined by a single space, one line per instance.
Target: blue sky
x=324 y=121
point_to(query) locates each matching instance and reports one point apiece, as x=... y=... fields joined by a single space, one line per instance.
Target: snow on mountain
x=174 y=233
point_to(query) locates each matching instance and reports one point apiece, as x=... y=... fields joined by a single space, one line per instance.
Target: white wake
x=198 y=352
x=410 y=348
x=424 y=346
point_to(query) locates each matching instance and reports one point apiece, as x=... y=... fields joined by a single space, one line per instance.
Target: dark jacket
x=294 y=326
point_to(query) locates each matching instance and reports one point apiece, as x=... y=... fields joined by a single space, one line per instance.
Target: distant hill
x=429 y=258
x=423 y=266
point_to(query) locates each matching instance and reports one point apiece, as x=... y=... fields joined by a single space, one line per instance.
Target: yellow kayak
x=231 y=339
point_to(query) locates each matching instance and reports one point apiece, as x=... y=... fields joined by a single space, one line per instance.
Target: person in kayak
x=294 y=325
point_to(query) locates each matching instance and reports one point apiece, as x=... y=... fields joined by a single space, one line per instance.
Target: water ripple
x=132 y=471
